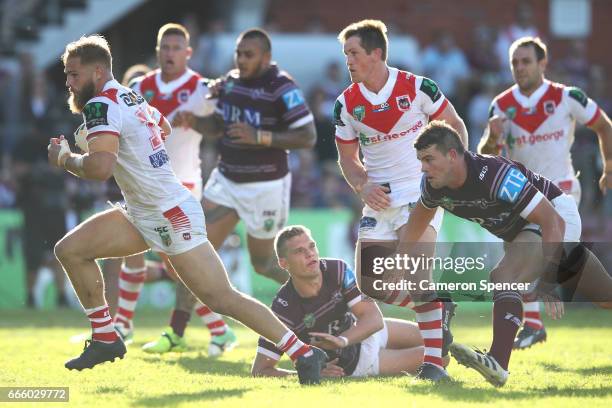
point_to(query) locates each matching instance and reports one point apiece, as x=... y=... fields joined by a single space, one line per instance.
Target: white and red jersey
x=540 y=128
x=143 y=170
x=386 y=124
x=186 y=93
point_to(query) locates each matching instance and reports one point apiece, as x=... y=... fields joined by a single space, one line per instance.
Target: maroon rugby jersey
x=328 y=312
x=495 y=193
x=271 y=102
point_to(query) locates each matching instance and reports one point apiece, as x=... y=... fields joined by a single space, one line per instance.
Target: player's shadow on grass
x=204 y=365
x=175 y=399
x=459 y=391
x=603 y=370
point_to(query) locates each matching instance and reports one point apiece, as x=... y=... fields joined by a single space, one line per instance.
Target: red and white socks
x=293 y=347
x=531 y=315
x=212 y=320
x=429 y=319
x=131 y=281
x=102 y=326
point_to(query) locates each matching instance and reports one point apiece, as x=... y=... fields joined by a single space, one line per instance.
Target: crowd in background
x=33 y=109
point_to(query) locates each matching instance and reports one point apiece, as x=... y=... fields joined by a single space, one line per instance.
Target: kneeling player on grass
x=323 y=305
x=533 y=217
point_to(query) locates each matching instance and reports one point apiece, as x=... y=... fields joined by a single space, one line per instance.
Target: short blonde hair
x=90 y=49
x=172 y=29
x=372 y=33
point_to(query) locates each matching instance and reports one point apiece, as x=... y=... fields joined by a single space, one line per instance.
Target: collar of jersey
x=385 y=93
x=169 y=87
x=534 y=98
x=110 y=84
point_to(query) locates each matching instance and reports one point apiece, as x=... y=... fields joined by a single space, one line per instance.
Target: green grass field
x=574 y=368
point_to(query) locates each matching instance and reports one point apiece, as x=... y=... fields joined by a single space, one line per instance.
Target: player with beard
x=260 y=114
x=511 y=202
x=171 y=88
x=534 y=121
x=381 y=114
x=125 y=141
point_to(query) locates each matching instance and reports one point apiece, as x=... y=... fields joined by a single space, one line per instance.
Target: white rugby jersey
x=386 y=125
x=143 y=170
x=186 y=93
x=540 y=128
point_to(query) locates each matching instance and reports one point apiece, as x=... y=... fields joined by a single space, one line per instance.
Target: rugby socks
x=531 y=315
x=507 y=312
x=130 y=285
x=293 y=347
x=429 y=319
x=178 y=321
x=101 y=324
x=212 y=320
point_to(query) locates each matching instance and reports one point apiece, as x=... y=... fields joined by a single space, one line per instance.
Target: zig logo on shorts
x=186 y=236
x=367 y=223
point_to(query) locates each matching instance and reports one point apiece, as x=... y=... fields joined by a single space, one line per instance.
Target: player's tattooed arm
x=303 y=137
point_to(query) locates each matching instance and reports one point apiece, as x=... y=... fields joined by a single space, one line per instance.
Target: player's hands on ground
x=332 y=369
x=375 y=196
x=183 y=119
x=58 y=151
x=554 y=307
x=326 y=341
x=241 y=133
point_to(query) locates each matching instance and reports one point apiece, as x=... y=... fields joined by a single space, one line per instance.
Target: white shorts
x=263 y=206
x=369 y=363
x=568 y=210
x=383 y=225
x=173 y=232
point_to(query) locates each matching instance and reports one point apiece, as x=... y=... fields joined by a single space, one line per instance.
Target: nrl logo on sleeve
x=403 y=102
x=337 y=114
x=359 y=112
x=511 y=112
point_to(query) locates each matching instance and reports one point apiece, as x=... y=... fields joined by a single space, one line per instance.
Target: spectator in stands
x=523 y=26
x=575 y=66
x=446 y=64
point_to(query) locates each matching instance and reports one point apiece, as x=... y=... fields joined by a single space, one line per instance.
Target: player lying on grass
x=539 y=224
x=323 y=305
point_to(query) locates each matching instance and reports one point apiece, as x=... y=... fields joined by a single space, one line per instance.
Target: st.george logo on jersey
x=403 y=102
